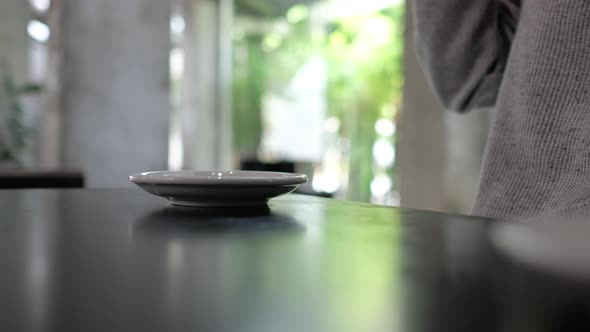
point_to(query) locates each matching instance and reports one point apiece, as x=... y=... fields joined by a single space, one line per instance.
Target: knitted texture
x=531 y=60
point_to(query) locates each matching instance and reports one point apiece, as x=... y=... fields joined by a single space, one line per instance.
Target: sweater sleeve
x=463 y=47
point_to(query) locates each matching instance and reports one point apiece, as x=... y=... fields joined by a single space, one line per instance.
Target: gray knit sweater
x=531 y=59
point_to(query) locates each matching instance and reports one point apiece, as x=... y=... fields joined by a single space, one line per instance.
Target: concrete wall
x=15 y=60
x=114 y=88
x=14 y=42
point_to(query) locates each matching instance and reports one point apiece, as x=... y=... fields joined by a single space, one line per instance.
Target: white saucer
x=560 y=248
x=218 y=188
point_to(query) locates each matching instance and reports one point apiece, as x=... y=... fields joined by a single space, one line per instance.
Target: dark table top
x=121 y=260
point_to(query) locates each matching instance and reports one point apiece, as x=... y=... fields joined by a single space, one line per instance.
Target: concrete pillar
x=51 y=124
x=206 y=110
x=440 y=152
x=114 y=88
x=421 y=137
x=466 y=137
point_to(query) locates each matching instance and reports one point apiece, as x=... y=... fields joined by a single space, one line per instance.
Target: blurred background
x=329 y=88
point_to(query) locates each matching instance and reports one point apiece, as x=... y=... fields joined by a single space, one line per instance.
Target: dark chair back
x=27 y=179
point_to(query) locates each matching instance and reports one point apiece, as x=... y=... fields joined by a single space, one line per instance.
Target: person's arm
x=463 y=46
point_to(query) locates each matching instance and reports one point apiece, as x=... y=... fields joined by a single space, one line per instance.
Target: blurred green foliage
x=14 y=131
x=365 y=78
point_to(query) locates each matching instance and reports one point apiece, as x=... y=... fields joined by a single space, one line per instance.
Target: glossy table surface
x=121 y=260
